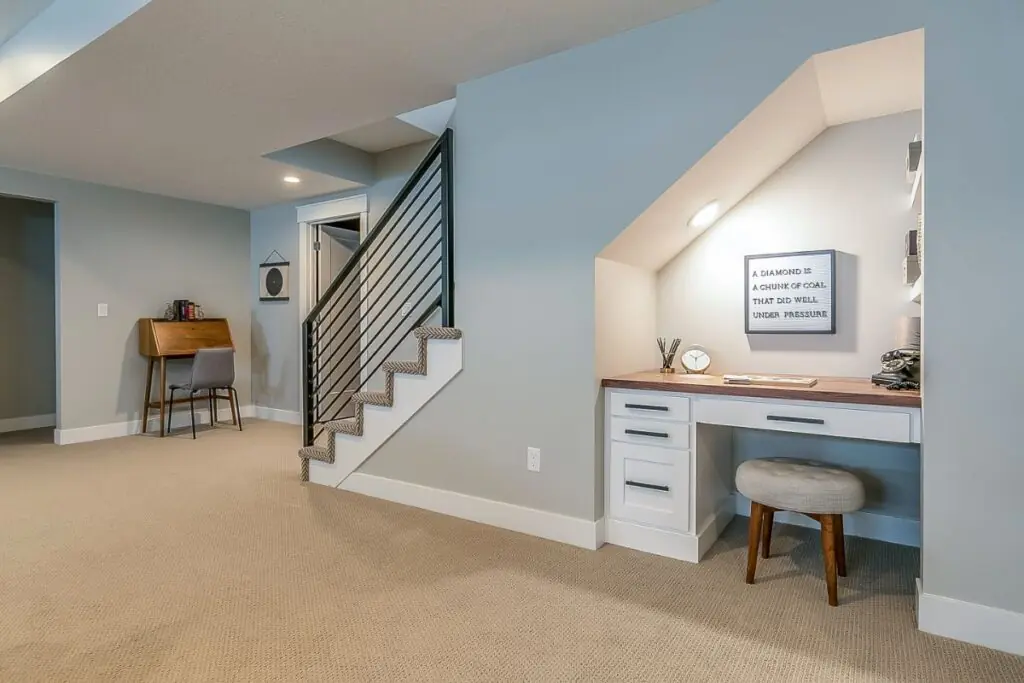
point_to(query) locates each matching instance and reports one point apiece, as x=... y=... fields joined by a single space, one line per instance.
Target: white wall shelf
x=915 y=190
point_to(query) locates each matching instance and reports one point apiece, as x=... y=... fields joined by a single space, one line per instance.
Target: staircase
x=393 y=299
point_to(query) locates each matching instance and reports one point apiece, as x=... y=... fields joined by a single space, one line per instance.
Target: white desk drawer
x=651 y=432
x=877 y=425
x=653 y=404
x=650 y=486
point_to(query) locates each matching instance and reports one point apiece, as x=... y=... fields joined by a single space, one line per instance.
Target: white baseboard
x=20 y=424
x=571 y=530
x=970 y=622
x=180 y=418
x=292 y=417
x=665 y=542
x=898 y=530
x=651 y=539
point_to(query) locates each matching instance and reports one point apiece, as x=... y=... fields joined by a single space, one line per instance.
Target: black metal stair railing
x=399 y=278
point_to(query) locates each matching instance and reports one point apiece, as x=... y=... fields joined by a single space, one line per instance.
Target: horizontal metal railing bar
x=417 y=323
x=366 y=298
x=369 y=344
x=331 y=297
x=369 y=359
x=399 y=200
x=373 y=269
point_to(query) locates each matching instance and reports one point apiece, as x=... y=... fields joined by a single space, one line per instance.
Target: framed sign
x=792 y=293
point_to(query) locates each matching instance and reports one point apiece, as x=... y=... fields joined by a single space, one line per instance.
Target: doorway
x=330 y=235
x=28 y=300
x=336 y=242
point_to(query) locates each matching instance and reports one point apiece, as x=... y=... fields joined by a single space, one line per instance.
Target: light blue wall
x=974 y=240
x=553 y=160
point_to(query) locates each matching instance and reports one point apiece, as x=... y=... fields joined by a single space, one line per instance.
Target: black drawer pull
x=799 y=420
x=640 y=432
x=643 y=485
x=640 y=406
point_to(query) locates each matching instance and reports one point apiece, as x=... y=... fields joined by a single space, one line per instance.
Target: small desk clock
x=695 y=360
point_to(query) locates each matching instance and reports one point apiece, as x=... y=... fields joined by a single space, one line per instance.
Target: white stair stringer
x=410 y=393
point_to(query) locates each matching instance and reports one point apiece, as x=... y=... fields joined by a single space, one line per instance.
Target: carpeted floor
x=143 y=559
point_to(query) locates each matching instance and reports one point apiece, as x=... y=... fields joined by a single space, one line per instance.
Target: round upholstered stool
x=822 y=492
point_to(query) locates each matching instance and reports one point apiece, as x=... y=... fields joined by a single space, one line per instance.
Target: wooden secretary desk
x=161 y=339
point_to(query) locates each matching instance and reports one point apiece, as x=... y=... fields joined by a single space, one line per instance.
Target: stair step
x=438 y=333
x=374 y=398
x=406 y=367
x=320 y=453
x=350 y=426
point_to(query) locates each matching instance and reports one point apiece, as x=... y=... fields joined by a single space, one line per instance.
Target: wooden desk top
x=828 y=389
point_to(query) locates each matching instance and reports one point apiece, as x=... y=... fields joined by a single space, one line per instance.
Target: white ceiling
x=877 y=78
x=14 y=14
x=185 y=97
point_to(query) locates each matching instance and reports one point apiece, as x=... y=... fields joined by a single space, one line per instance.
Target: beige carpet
x=144 y=559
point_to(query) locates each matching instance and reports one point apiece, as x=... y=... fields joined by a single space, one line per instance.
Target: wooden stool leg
x=828 y=547
x=766 y=531
x=754 y=536
x=840 y=546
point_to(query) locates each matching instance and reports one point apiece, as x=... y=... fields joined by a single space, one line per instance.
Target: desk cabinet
x=669 y=458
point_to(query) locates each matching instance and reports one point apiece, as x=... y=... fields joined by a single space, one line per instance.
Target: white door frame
x=307 y=217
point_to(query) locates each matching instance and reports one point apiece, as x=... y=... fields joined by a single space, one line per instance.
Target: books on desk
x=770 y=380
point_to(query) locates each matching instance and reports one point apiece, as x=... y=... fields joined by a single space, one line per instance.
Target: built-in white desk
x=668 y=447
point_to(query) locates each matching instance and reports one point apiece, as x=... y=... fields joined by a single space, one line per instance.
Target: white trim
x=898 y=530
x=666 y=542
x=291 y=417
x=581 y=533
x=114 y=430
x=20 y=424
x=970 y=622
x=331 y=209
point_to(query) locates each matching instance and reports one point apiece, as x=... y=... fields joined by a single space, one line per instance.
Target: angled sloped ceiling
x=876 y=78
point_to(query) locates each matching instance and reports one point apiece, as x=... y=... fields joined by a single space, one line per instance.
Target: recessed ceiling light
x=292 y=179
x=706 y=216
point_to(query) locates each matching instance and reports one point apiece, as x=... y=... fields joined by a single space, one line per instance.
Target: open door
x=341 y=347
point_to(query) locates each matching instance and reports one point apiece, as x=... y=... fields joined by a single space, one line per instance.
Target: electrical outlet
x=406 y=309
x=533 y=459
x=101 y=310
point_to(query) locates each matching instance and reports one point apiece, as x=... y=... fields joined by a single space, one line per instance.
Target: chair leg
x=170 y=410
x=766 y=531
x=840 y=546
x=213 y=408
x=192 y=409
x=753 y=537
x=231 y=405
x=828 y=547
x=238 y=408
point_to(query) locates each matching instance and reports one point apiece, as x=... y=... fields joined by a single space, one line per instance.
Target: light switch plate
x=533 y=459
x=101 y=310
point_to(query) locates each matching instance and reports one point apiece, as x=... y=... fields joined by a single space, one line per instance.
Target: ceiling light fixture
x=292 y=179
x=706 y=216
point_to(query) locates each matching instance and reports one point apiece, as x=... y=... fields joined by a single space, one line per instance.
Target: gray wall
x=553 y=160
x=28 y=353
x=847 y=191
x=134 y=252
x=275 y=325
x=973 y=465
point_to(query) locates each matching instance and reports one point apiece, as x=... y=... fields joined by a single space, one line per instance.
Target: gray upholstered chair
x=212 y=370
x=822 y=492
